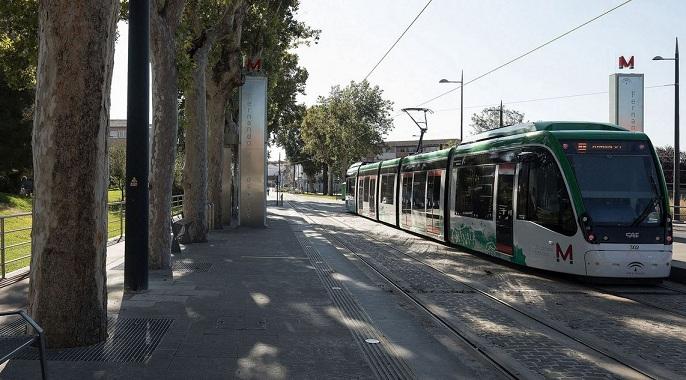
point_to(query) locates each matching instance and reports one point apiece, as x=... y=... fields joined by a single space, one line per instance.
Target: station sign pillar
x=626 y=101
x=252 y=204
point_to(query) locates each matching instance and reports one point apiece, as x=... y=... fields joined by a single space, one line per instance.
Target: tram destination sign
x=626 y=101
x=605 y=147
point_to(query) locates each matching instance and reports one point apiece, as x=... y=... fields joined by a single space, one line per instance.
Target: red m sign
x=255 y=64
x=567 y=254
x=624 y=64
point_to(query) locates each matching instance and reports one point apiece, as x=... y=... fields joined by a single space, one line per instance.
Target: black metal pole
x=501 y=114
x=677 y=153
x=137 y=140
x=461 y=103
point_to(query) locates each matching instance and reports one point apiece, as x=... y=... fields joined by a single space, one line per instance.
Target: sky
x=476 y=36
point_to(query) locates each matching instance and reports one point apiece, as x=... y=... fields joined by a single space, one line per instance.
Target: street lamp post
x=677 y=153
x=461 y=82
x=137 y=148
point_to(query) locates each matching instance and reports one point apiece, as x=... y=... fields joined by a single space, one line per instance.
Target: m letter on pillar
x=624 y=64
x=255 y=65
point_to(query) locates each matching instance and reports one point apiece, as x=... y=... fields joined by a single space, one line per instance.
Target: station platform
x=679 y=253
x=272 y=303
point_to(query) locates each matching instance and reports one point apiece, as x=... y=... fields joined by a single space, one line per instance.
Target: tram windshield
x=618 y=181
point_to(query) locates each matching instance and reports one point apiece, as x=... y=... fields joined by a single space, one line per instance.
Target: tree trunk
x=68 y=286
x=332 y=191
x=223 y=78
x=216 y=116
x=325 y=180
x=165 y=126
x=195 y=167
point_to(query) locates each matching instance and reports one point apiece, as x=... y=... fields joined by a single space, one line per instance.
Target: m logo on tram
x=567 y=254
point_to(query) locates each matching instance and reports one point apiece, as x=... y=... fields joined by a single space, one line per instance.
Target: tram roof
x=352 y=170
x=390 y=163
x=549 y=126
x=426 y=157
x=370 y=167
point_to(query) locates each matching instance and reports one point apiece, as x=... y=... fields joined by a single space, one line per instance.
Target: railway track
x=669 y=298
x=533 y=329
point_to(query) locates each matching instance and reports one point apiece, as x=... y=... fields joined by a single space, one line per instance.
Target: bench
x=19 y=339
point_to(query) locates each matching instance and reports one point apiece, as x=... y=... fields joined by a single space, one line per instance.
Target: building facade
x=399 y=149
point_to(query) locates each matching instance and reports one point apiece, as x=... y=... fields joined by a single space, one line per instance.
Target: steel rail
x=500 y=301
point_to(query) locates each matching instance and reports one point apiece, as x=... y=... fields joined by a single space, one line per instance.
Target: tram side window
x=543 y=197
x=387 y=182
x=365 y=190
x=407 y=193
x=433 y=191
x=372 y=195
x=419 y=191
x=474 y=191
x=350 y=187
x=360 y=191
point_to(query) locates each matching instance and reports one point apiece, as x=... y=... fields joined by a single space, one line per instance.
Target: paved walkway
x=679 y=253
x=278 y=302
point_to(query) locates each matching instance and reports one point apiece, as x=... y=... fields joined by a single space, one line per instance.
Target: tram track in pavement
x=667 y=303
x=575 y=355
x=669 y=300
x=652 y=341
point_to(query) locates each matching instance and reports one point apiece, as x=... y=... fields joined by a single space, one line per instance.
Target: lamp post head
x=658 y=58
x=449 y=81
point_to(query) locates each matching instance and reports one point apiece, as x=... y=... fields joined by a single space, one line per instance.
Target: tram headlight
x=586 y=223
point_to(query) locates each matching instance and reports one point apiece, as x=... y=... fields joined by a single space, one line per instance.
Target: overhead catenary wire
x=517 y=58
x=397 y=40
x=544 y=99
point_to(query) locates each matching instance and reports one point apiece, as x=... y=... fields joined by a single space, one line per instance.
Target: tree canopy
x=18 y=61
x=489 y=118
x=346 y=126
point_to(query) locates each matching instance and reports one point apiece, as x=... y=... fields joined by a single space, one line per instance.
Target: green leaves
x=19 y=42
x=489 y=118
x=347 y=126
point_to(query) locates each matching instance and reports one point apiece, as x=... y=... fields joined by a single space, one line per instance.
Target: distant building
x=117 y=132
x=398 y=149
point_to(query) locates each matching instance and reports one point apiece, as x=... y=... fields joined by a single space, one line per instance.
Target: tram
x=583 y=198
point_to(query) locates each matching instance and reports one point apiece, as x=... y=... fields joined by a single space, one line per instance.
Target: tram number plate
x=634 y=246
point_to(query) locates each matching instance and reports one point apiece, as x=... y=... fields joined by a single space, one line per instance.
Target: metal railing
x=15 y=233
x=15 y=242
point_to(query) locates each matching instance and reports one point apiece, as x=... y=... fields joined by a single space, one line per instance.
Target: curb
x=678 y=273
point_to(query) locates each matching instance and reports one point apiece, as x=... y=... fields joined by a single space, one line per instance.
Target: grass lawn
x=18 y=228
x=322 y=196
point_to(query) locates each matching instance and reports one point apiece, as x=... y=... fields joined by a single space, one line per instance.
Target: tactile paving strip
x=130 y=340
x=385 y=361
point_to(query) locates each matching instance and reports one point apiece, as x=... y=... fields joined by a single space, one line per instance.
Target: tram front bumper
x=628 y=264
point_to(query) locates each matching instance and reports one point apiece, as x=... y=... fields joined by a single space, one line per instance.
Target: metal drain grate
x=190 y=266
x=130 y=340
x=15 y=326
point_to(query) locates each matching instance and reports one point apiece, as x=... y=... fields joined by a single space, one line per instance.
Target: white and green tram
x=588 y=199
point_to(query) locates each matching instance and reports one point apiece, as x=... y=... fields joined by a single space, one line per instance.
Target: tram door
x=504 y=208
